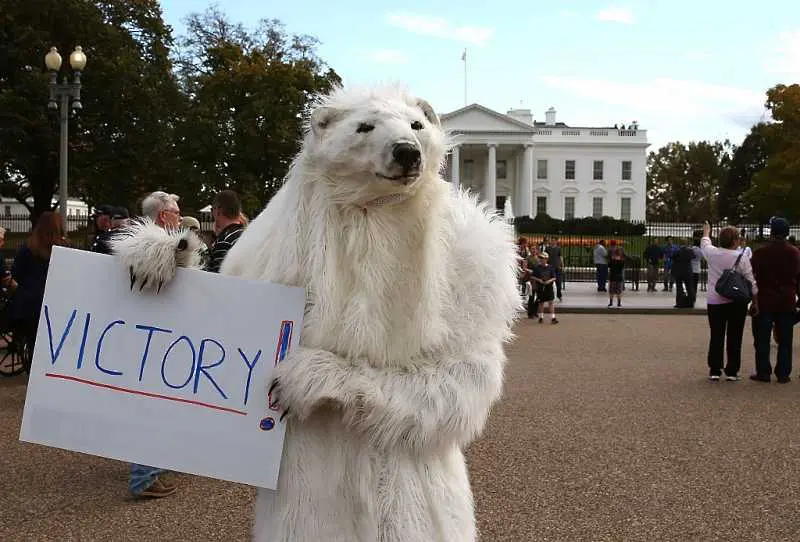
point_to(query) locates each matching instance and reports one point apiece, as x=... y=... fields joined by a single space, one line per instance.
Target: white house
x=548 y=167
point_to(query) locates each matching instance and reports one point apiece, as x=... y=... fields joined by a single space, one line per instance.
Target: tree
x=748 y=159
x=248 y=92
x=683 y=180
x=775 y=189
x=120 y=143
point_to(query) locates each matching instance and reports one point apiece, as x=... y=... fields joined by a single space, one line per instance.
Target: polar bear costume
x=411 y=295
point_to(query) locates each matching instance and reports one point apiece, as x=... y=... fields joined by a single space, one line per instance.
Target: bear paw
x=152 y=254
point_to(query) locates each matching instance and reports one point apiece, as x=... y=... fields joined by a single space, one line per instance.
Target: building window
x=625 y=209
x=597 y=174
x=569 y=170
x=8 y=210
x=597 y=207
x=541 y=169
x=501 y=169
x=569 y=207
x=626 y=170
x=469 y=167
x=541 y=205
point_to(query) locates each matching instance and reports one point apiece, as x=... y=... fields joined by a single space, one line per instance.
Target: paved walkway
x=608 y=431
x=584 y=297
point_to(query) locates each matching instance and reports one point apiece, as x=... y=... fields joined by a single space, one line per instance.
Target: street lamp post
x=60 y=96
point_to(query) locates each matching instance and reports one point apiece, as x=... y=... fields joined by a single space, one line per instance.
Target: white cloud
x=440 y=28
x=785 y=60
x=616 y=14
x=662 y=95
x=388 y=56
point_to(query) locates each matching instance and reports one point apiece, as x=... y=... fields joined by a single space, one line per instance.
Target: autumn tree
x=248 y=91
x=775 y=188
x=683 y=180
x=121 y=142
x=748 y=159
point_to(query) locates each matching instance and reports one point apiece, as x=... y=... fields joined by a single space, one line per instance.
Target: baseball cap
x=103 y=209
x=120 y=213
x=779 y=227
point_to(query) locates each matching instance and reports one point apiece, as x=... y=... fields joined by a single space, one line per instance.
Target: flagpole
x=464 y=58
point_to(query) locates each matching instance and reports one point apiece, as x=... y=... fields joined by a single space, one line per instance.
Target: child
x=543 y=276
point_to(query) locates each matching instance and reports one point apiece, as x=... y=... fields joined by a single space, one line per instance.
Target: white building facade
x=548 y=167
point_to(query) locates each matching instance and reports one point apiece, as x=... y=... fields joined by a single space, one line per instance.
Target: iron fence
x=577 y=249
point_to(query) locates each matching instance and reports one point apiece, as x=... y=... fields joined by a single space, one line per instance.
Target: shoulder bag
x=734 y=286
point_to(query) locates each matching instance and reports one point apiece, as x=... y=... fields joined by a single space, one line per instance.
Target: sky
x=685 y=70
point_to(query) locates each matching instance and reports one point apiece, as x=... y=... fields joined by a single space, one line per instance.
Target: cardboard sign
x=176 y=380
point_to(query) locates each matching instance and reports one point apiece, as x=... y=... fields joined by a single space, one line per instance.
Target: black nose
x=407 y=155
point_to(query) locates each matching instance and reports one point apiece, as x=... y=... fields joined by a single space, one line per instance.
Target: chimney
x=523 y=115
x=550 y=117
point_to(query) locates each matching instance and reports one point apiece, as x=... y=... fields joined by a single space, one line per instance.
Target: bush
x=606 y=225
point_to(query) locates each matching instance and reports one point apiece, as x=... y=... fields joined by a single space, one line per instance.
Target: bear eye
x=363 y=128
x=416 y=125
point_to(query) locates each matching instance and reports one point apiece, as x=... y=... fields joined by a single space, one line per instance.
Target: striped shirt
x=225 y=240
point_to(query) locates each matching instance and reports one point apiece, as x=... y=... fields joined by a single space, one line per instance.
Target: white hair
x=157 y=202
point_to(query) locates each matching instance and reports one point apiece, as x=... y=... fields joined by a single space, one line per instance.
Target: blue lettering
x=151 y=330
x=83 y=339
x=57 y=352
x=166 y=355
x=100 y=347
x=250 y=367
x=202 y=368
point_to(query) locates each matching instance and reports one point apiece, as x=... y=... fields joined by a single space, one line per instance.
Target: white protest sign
x=176 y=380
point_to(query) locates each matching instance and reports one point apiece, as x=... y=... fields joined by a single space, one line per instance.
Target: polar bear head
x=374 y=146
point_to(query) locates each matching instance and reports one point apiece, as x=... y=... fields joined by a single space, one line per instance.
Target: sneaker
x=554 y=321
x=731 y=378
x=158 y=489
x=610 y=305
x=714 y=378
x=784 y=379
x=759 y=378
x=541 y=320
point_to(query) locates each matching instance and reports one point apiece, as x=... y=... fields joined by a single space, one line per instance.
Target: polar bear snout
x=407 y=156
x=404 y=163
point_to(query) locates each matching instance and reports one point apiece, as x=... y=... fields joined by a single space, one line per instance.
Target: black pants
x=762 y=325
x=602 y=277
x=726 y=323
x=685 y=291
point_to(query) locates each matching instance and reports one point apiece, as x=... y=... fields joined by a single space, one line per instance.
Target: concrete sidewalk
x=583 y=297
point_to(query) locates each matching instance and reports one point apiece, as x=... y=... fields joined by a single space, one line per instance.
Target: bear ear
x=430 y=114
x=322 y=117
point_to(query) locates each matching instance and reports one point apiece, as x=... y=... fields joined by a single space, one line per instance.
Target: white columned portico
x=490 y=184
x=455 y=169
x=526 y=182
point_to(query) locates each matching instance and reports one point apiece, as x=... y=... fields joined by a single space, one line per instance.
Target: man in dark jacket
x=685 y=292
x=227 y=211
x=102 y=223
x=776 y=268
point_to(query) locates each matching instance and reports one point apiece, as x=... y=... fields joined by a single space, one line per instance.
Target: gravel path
x=608 y=431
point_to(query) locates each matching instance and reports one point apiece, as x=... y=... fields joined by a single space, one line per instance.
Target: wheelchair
x=15 y=351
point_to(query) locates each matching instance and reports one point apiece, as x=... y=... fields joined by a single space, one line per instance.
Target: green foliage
x=120 y=142
x=222 y=110
x=774 y=188
x=683 y=180
x=248 y=93
x=545 y=224
x=748 y=159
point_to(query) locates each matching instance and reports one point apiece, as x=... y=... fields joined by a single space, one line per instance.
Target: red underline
x=146 y=394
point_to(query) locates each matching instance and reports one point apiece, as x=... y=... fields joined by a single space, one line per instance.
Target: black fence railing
x=577 y=248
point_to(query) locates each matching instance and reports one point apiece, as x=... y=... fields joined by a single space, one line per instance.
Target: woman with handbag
x=731 y=290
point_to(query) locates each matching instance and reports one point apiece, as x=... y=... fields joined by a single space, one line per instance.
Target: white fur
x=412 y=293
x=152 y=254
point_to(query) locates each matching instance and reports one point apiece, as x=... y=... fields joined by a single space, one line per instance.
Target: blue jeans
x=784 y=322
x=142 y=477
